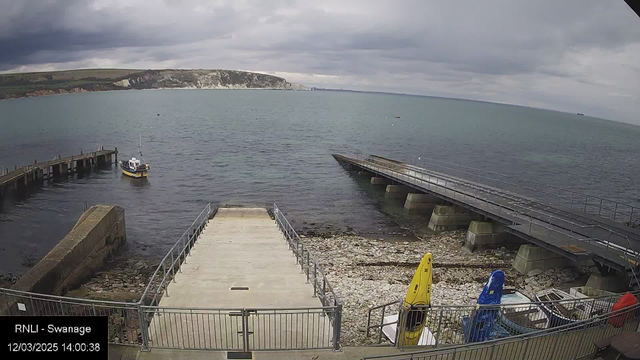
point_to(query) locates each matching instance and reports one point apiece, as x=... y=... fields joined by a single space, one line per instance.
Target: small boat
x=523 y=318
x=135 y=168
x=397 y=116
x=581 y=114
x=563 y=308
x=588 y=292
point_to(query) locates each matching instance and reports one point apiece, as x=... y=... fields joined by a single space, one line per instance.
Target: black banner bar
x=60 y=337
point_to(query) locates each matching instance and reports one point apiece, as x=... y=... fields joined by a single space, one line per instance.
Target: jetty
x=241 y=281
x=584 y=230
x=25 y=176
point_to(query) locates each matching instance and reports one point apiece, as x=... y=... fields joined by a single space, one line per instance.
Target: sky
x=570 y=55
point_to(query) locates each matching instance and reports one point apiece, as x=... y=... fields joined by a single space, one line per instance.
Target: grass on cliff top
x=104 y=74
x=19 y=83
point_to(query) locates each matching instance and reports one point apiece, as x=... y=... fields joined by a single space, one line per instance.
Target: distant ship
x=581 y=114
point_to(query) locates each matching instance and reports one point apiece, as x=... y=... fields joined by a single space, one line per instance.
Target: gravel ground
x=366 y=272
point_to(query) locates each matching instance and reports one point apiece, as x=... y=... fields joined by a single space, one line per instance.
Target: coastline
x=54 y=93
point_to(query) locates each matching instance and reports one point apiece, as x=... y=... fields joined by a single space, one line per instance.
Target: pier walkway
x=46 y=170
x=242 y=282
x=574 y=234
x=241 y=261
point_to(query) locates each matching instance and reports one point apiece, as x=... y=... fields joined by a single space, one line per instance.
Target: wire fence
x=567 y=342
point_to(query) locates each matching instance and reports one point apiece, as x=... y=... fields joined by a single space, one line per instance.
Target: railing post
x=324 y=289
x=600 y=208
x=184 y=251
x=143 y=329
x=439 y=327
x=631 y=216
x=164 y=270
x=173 y=270
x=384 y=308
x=315 y=277
x=337 y=327
x=571 y=205
x=615 y=212
x=307 y=266
x=245 y=330
x=300 y=248
x=493 y=347
x=586 y=200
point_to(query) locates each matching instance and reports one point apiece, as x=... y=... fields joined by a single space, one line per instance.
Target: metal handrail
x=471 y=184
x=575 y=302
x=294 y=241
x=185 y=242
x=70 y=300
x=502 y=207
x=567 y=327
x=544 y=186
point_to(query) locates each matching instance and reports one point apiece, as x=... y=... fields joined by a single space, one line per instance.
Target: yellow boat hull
x=137 y=175
x=417 y=300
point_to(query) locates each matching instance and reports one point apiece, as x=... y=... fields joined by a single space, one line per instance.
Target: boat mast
x=140 y=151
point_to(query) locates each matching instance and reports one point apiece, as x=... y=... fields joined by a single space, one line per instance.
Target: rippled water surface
x=275 y=146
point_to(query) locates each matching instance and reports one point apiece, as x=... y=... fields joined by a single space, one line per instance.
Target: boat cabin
x=134 y=164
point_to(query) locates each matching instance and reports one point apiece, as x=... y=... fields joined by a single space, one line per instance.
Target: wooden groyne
x=48 y=170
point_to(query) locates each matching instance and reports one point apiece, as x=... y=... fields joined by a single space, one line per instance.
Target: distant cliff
x=74 y=81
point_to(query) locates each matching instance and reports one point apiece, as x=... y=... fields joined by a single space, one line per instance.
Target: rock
x=534 y=272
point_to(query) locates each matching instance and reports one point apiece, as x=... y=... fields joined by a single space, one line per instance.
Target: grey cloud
x=466 y=46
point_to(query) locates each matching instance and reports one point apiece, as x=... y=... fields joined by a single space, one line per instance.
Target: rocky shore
x=122 y=278
x=366 y=272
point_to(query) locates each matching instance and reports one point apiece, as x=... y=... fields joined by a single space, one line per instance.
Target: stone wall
x=99 y=231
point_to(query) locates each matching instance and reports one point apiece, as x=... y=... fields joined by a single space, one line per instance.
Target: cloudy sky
x=569 y=55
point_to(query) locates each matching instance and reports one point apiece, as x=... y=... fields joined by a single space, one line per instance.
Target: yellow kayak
x=418 y=298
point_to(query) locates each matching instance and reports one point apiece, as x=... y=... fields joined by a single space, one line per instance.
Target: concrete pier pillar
x=72 y=166
x=396 y=191
x=450 y=217
x=531 y=257
x=57 y=170
x=485 y=234
x=400 y=189
x=40 y=174
x=380 y=181
x=421 y=202
x=611 y=283
x=364 y=173
x=64 y=169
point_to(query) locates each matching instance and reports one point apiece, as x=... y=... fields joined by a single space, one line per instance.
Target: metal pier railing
x=148 y=325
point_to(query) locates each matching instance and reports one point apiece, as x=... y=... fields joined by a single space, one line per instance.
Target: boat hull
x=133 y=173
x=522 y=318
